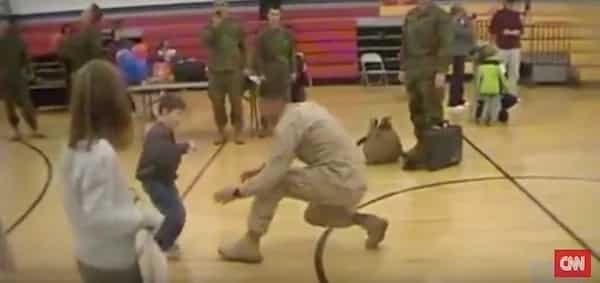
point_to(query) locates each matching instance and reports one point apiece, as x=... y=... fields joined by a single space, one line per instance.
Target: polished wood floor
x=470 y=231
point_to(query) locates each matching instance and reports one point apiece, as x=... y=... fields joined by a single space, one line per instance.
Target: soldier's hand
x=293 y=77
x=249 y=174
x=226 y=195
x=402 y=76
x=440 y=80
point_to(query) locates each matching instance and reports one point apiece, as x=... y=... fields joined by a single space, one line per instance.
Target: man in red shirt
x=506 y=30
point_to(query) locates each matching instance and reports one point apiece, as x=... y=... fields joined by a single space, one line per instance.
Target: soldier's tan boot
x=376 y=228
x=238 y=136
x=246 y=250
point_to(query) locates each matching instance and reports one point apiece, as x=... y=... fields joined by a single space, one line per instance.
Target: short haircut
x=100 y=108
x=170 y=102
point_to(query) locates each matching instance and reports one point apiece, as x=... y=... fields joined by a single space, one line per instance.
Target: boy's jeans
x=166 y=199
x=492 y=104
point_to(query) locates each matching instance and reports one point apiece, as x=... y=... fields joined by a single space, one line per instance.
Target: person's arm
x=292 y=56
x=165 y=154
x=286 y=140
x=446 y=37
x=477 y=80
x=63 y=50
x=464 y=30
x=257 y=56
x=94 y=43
x=494 y=28
x=242 y=45
x=519 y=31
x=26 y=60
x=211 y=33
x=402 y=55
x=503 y=81
x=98 y=210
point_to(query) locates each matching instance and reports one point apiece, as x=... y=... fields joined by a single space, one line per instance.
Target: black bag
x=443 y=146
x=189 y=70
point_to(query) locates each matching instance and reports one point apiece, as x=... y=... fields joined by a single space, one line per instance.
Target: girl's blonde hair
x=99 y=107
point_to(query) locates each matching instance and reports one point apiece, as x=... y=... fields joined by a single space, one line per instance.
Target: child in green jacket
x=490 y=83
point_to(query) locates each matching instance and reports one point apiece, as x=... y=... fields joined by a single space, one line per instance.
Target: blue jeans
x=165 y=198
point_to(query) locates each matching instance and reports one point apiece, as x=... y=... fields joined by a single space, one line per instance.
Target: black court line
x=320 y=248
x=537 y=202
x=203 y=170
x=42 y=194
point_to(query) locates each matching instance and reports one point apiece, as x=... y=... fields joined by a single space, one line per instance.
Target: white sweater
x=100 y=208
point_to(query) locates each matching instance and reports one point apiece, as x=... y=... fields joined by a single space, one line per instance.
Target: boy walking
x=157 y=170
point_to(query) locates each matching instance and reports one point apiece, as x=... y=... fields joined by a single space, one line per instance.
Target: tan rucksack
x=382 y=143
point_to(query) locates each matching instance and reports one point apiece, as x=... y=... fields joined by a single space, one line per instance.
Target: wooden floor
x=472 y=230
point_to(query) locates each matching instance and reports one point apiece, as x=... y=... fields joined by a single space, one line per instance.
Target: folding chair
x=372 y=64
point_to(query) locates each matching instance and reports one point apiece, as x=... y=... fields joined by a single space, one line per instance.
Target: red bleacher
x=326 y=35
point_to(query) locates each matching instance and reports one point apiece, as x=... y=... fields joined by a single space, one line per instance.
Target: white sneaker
x=458 y=108
x=246 y=250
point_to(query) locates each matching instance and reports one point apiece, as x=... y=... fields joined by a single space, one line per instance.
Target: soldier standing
x=224 y=38
x=425 y=60
x=85 y=45
x=14 y=79
x=275 y=62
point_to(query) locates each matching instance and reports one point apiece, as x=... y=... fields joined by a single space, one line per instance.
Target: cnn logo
x=573 y=263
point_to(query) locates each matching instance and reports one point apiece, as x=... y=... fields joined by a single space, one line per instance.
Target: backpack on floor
x=382 y=143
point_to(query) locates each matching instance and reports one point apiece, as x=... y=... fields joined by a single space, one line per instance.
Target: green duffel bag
x=382 y=144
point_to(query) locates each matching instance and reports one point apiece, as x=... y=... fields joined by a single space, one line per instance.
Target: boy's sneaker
x=174 y=253
x=503 y=116
x=458 y=108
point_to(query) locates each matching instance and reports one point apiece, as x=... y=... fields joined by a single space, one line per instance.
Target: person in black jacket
x=157 y=171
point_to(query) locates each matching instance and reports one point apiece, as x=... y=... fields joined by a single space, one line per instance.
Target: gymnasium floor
x=498 y=217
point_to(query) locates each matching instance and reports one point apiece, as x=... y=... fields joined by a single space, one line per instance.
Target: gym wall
x=33 y=7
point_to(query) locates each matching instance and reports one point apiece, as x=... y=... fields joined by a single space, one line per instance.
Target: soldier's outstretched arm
x=287 y=139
